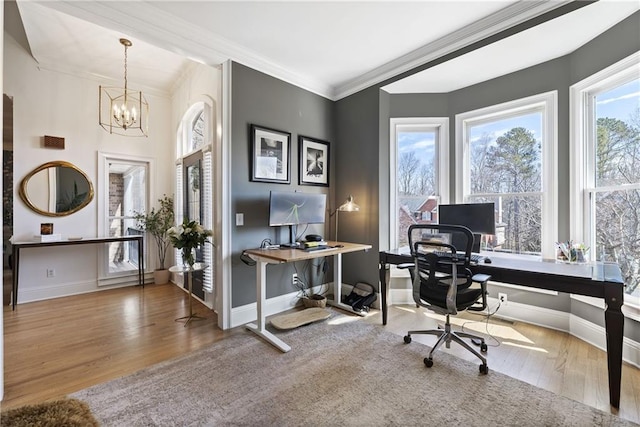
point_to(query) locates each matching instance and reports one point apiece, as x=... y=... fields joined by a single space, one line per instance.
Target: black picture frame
x=270 y=155
x=314 y=161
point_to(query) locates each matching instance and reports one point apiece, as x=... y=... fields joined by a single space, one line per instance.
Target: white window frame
x=418 y=124
x=548 y=103
x=583 y=151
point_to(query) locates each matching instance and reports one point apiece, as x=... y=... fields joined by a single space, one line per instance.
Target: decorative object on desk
x=46 y=228
x=270 y=155
x=187 y=237
x=348 y=206
x=123 y=111
x=68 y=186
x=314 y=161
x=571 y=252
x=313 y=378
x=157 y=223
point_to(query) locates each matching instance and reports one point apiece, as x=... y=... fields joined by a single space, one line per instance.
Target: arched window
x=194 y=186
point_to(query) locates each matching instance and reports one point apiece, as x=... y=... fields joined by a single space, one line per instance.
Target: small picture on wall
x=314 y=161
x=270 y=155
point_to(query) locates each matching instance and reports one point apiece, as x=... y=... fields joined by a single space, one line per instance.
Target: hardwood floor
x=56 y=347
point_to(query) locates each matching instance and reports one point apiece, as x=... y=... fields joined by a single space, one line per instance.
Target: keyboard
x=475 y=258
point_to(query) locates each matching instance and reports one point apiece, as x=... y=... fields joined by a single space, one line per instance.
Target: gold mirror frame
x=22 y=191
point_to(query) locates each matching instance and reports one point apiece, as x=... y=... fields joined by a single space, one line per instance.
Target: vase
x=188 y=257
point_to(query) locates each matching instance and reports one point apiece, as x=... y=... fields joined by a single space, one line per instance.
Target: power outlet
x=294 y=279
x=51 y=272
x=502 y=297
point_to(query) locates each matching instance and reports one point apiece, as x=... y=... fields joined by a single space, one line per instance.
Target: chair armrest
x=481 y=278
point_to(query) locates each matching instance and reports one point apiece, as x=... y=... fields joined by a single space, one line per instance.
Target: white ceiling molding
x=180 y=37
x=479 y=30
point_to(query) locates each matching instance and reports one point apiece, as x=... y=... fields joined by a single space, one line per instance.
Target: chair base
x=445 y=336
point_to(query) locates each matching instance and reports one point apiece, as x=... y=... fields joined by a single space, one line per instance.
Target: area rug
x=341 y=371
x=64 y=412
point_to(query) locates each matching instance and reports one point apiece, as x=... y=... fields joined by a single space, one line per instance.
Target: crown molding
x=506 y=18
x=144 y=20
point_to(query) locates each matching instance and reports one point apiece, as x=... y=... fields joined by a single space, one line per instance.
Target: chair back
x=440 y=269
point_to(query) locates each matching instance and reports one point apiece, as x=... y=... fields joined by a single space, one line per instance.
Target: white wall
x=64 y=105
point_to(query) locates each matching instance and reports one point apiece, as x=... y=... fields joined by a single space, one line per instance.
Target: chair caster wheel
x=484 y=369
x=428 y=362
x=483 y=347
x=407 y=339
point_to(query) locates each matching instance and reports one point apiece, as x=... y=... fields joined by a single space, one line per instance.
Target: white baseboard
x=63 y=290
x=552 y=319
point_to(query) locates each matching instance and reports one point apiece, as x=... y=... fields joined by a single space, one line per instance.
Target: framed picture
x=270 y=155
x=314 y=161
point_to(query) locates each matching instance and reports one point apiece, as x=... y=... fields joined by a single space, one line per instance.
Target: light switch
x=239 y=219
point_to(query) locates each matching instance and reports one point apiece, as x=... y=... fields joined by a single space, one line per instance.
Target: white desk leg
x=261 y=299
x=337 y=287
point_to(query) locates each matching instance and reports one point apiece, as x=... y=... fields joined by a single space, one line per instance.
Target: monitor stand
x=292 y=240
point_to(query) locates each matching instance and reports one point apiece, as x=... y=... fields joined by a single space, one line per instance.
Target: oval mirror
x=56 y=189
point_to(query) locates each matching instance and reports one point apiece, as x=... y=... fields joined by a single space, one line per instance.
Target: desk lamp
x=348 y=206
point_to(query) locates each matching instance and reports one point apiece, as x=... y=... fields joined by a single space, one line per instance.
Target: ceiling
x=333 y=48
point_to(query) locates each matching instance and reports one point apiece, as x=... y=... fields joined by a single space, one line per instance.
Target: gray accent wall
x=266 y=101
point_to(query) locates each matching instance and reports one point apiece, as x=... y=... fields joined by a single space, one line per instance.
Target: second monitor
x=480 y=218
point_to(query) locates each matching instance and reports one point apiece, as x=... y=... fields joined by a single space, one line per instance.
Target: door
x=193 y=205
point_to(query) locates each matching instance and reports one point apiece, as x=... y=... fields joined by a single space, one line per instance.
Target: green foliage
x=157 y=223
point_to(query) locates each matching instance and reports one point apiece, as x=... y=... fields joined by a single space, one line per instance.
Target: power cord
x=486 y=321
x=265 y=243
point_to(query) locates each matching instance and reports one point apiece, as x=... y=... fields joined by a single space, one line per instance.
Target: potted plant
x=157 y=222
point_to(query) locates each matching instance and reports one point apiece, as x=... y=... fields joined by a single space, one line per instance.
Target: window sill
x=629 y=311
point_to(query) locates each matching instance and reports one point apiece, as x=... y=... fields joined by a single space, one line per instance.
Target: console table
x=18 y=246
x=600 y=280
x=278 y=256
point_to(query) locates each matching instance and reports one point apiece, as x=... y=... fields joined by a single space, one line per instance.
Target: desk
x=279 y=256
x=595 y=280
x=188 y=273
x=18 y=246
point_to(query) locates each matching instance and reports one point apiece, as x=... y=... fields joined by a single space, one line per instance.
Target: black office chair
x=444 y=284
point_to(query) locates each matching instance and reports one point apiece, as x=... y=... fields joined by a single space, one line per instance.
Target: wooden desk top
x=293 y=254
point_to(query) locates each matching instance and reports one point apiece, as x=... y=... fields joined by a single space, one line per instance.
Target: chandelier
x=121 y=110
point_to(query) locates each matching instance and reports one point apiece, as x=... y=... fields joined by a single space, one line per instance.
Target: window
x=506 y=155
x=194 y=186
x=419 y=165
x=606 y=169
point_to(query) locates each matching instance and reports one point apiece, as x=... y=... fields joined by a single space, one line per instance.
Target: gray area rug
x=341 y=371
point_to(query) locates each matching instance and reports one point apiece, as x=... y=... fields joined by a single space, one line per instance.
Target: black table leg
x=614 y=324
x=16 y=264
x=384 y=290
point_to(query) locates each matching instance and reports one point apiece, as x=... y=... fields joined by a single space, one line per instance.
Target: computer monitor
x=480 y=218
x=291 y=209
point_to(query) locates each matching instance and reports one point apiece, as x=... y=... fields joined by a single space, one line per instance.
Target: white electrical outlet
x=294 y=279
x=51 y=272
x=502 y=297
